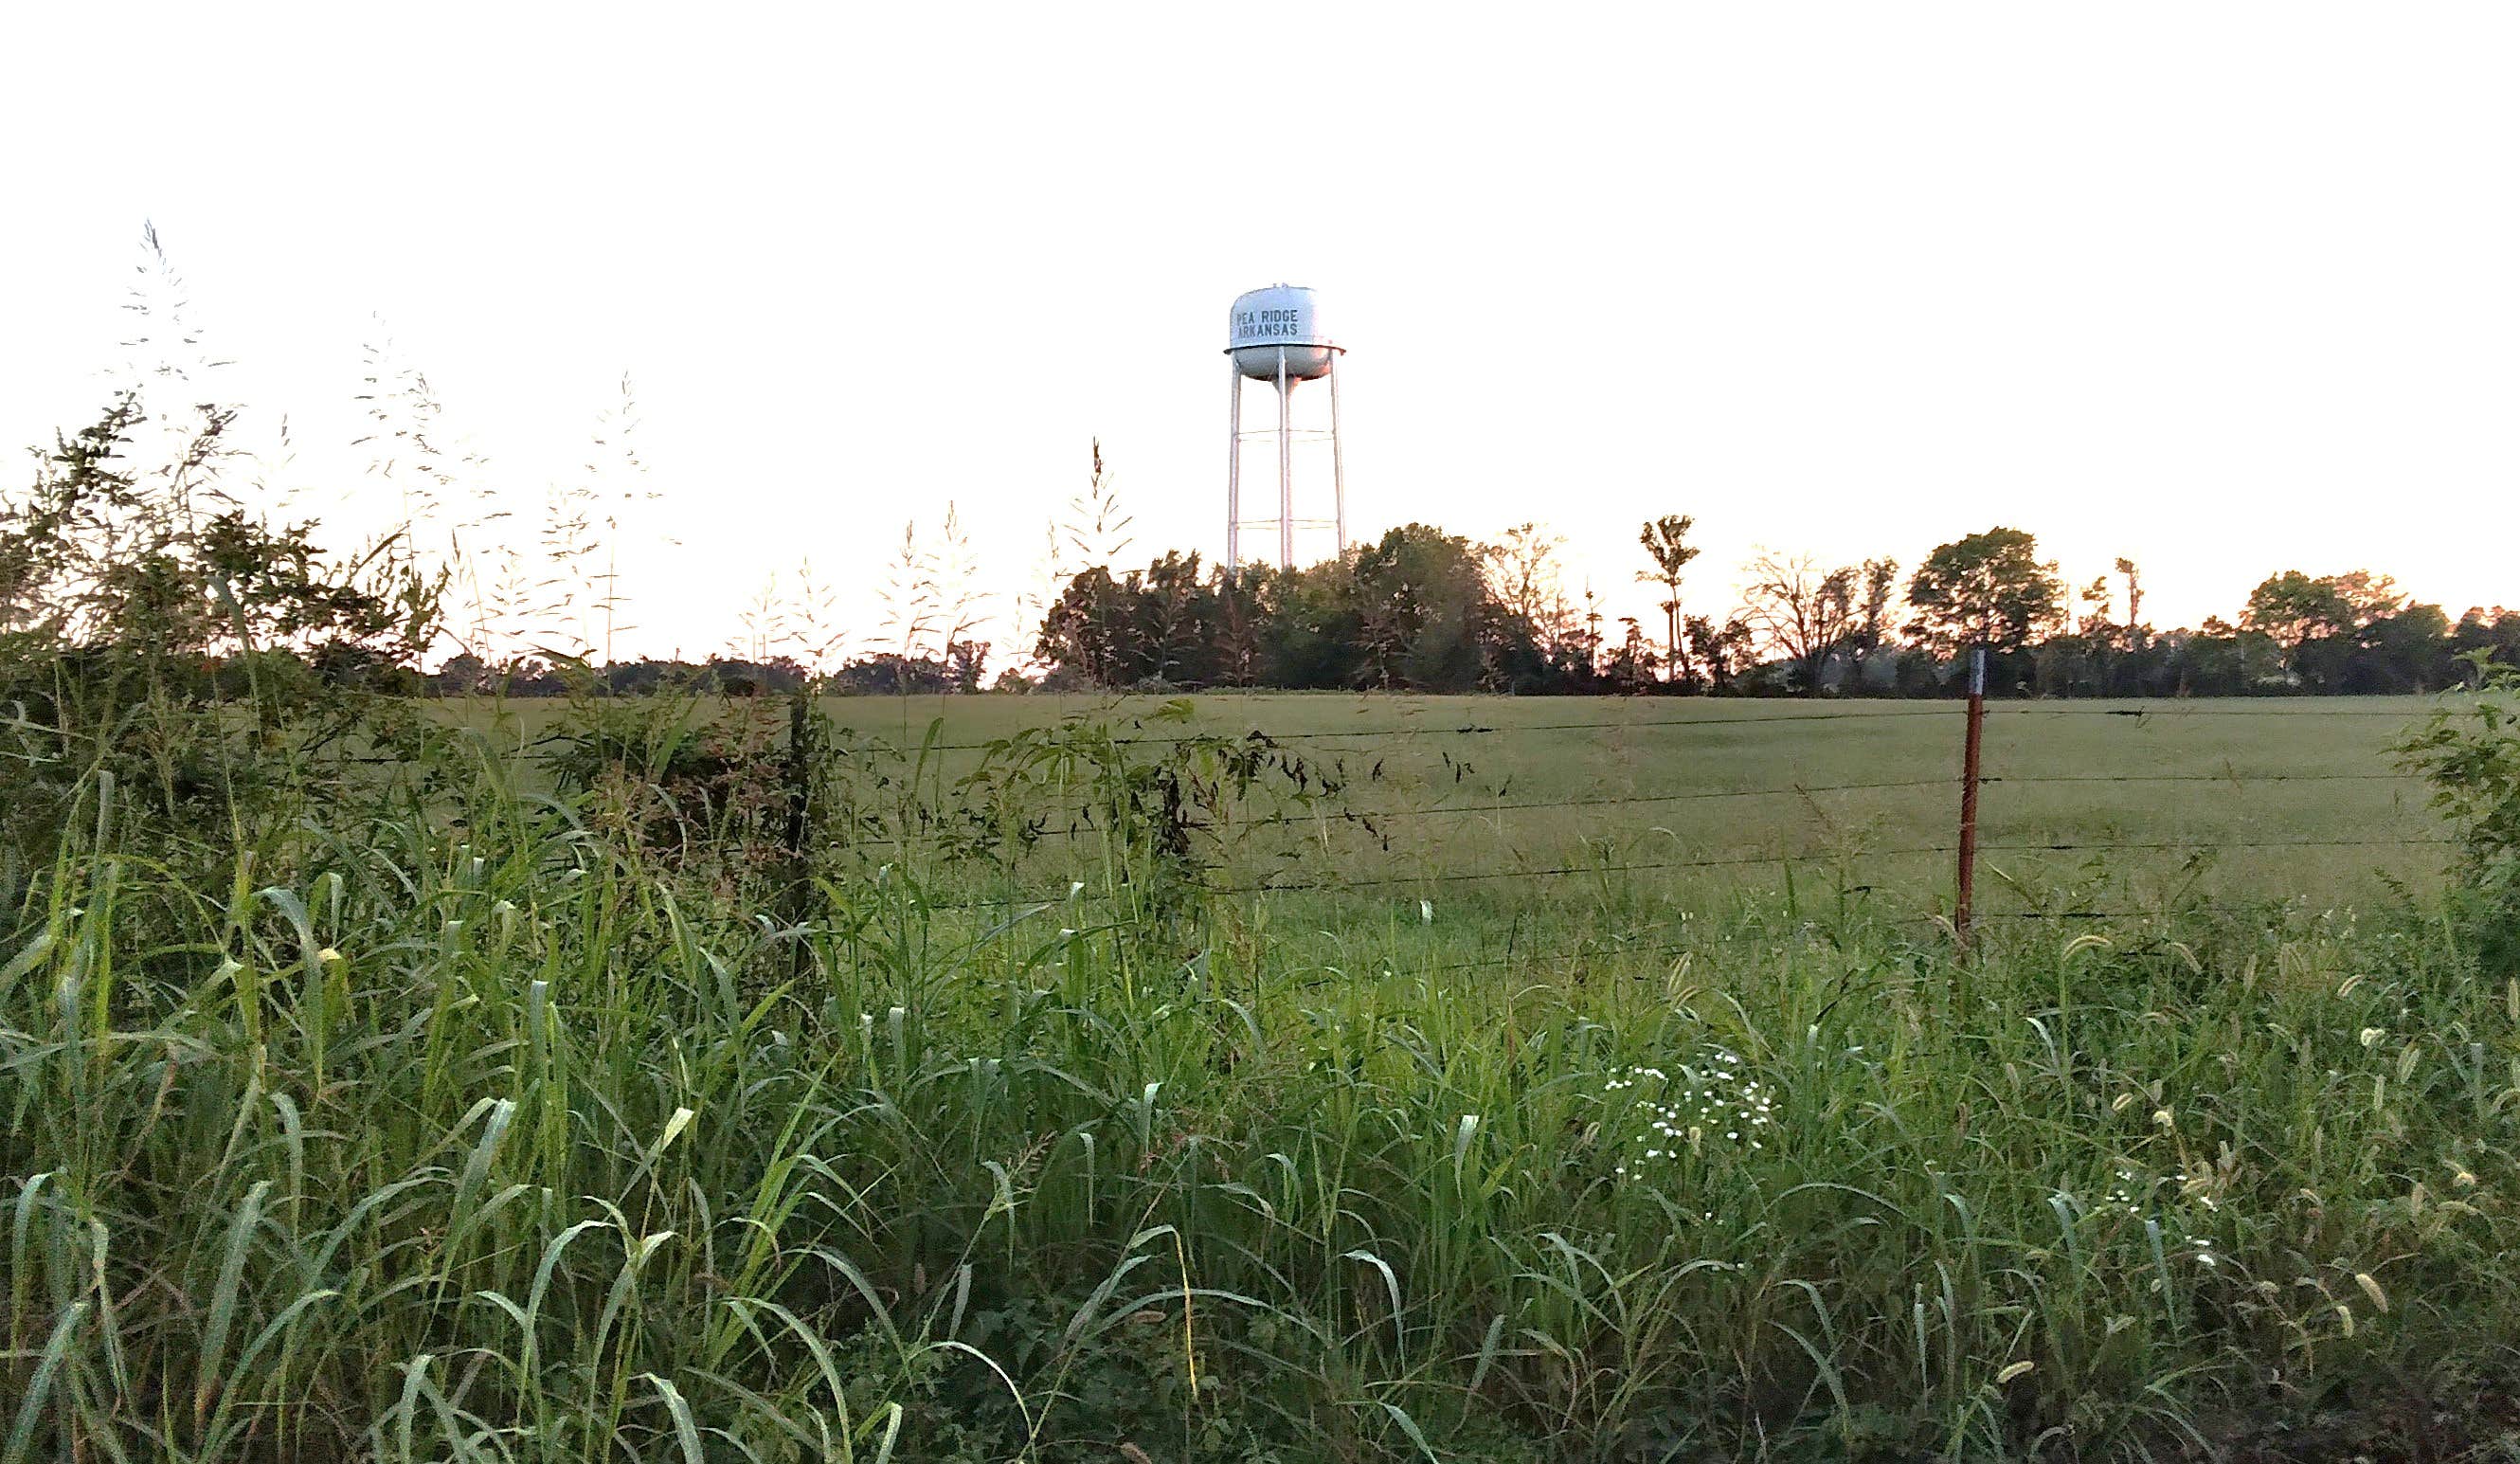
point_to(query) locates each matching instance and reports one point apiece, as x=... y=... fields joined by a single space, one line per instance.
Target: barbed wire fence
x=1964 y=850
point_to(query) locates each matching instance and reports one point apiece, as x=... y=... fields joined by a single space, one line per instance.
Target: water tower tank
x=1279 y=319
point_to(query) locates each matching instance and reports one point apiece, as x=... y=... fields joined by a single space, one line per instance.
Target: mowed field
x=1527 y=816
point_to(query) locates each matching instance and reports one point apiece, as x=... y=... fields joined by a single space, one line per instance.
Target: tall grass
x=481 y=1128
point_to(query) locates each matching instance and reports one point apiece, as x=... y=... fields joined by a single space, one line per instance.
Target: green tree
x=1421 y=602
x=2133 y=574
x=2367 y=596
x=1666 y=543
x=1870 y=631
x=2409 y=650
x=1721 y=649
x=1090 y=629
x=1308 y=630
x=2294 y=609
x=2340 y=633
x=2486 y=638
x=1179 y=625
x=1989 y=589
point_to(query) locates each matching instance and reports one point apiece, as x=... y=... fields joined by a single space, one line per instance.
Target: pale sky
x=2232 y=288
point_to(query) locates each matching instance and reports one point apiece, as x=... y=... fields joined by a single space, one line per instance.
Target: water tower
x=1275 y=336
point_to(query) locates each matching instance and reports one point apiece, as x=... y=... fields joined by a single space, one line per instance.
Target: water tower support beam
x=1338 y=463
x=1285 y=473
x=1233 y=470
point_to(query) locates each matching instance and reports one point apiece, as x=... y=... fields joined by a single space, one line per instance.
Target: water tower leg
x=1338 y=463
x=1286 y=474
x=1233 y=470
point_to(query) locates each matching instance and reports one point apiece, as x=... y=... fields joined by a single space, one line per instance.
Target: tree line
x=137 y=533
x=1425 y=610
x=101 y=550
x=131 y=530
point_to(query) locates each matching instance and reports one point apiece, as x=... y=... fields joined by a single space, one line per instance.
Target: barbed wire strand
x=1619 y=944
x=1781 y=790
x=1371 y=816
x=2276 y=708
x=1564 y=871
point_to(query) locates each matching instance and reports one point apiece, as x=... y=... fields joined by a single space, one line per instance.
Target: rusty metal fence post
x=1969 y=779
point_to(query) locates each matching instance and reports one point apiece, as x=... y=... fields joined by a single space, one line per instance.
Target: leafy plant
x=2470 y=754
x=215 y=663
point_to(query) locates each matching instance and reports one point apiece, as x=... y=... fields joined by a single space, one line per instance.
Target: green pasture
x=1475 y=802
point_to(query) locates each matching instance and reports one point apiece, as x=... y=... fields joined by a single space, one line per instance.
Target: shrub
x=2471 y=757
